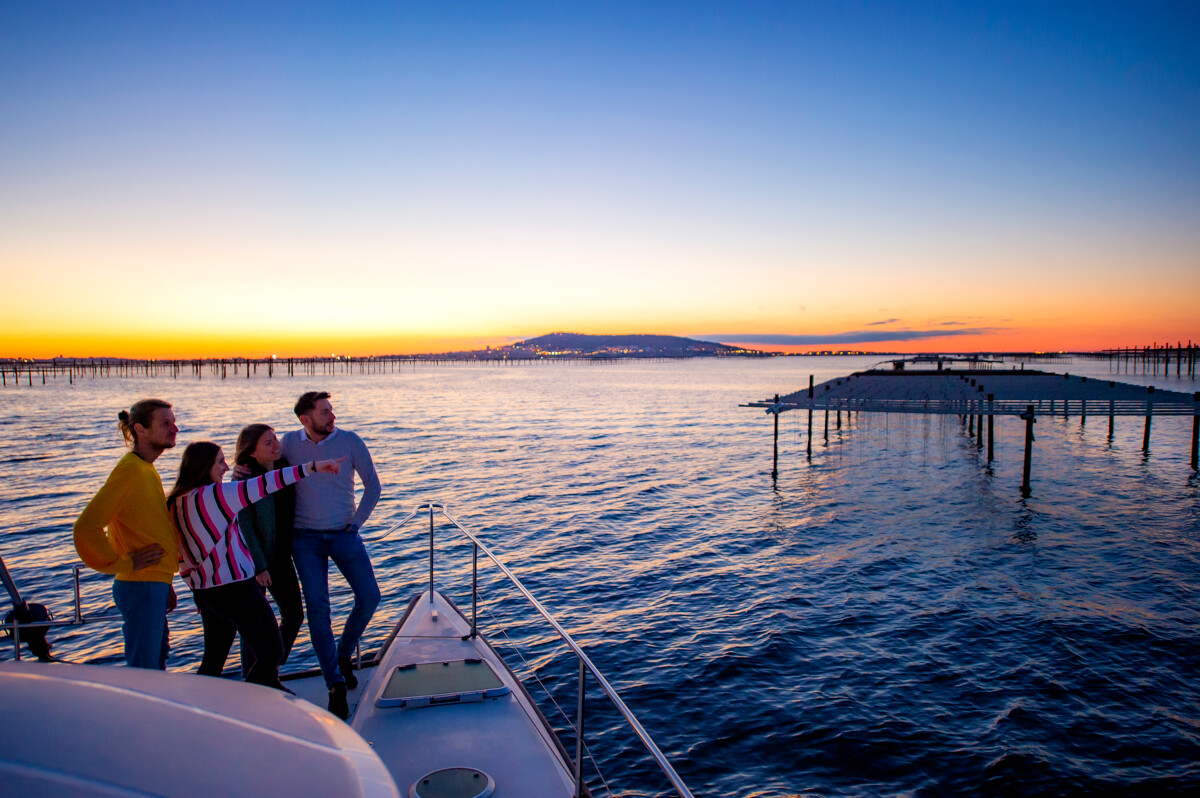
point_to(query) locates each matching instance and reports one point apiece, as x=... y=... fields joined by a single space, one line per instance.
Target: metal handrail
x=77 y=618
x=585 y=663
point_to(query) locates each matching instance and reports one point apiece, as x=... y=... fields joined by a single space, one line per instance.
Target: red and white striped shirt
x=212 y=550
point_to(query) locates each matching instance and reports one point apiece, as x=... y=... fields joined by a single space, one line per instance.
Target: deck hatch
x=454 y=783
x=425 y=684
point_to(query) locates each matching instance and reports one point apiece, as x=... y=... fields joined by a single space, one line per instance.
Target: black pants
x=285 y=589
x=233 y=609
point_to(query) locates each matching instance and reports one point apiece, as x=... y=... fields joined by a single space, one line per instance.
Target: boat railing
x=14 y=626
x=585 y=663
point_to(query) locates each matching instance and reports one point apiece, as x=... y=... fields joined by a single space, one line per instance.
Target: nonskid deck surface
x=504 y=736
x=310 y=686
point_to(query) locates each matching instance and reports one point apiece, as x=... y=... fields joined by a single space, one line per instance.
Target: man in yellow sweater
x=126 y=530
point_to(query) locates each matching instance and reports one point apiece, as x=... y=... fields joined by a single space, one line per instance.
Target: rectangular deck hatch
x=427 y=684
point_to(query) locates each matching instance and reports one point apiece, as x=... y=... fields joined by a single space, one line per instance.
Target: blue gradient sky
x=218 y=178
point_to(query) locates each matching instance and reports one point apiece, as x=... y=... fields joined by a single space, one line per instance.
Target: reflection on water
x=888 y=616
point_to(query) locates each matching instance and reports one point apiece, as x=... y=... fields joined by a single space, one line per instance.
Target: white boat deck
x=507 y=738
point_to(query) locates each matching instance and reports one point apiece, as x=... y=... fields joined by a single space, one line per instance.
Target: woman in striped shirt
x=217 y=564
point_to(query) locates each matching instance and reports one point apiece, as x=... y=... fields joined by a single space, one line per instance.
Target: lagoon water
x=890 y=617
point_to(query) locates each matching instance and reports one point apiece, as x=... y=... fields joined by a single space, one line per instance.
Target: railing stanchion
x=16 y=633
x=579 y=732
x=474 y=589
x=431 y=554
x=78 y=605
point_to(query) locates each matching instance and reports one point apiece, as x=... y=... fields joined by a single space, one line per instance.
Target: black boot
x=346 y=666
x=337 y=701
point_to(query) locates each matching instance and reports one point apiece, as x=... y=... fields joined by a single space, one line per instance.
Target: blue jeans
x=143 y=607
x=311 y=551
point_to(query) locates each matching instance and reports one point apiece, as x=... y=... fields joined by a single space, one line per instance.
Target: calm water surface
x=887 y=618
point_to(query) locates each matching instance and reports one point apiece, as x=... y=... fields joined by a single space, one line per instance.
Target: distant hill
x=566 y=344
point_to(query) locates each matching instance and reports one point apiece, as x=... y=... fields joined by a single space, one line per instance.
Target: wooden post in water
x=775 y=455
x=1110 y=413
x=1029 y=422
x=1195 y=427
x=979 y=426
x=1083 y=408
x=810 y=399
x=1149 y=413
x=991 y=429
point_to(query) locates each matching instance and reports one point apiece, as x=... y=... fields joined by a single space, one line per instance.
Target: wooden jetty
x=1151 y=359
x=43 y=371
x=975 y=389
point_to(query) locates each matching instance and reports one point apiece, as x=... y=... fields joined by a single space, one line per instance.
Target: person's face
x=162 y=430
x=219 y=466
x=321 y=418
x=266 y=452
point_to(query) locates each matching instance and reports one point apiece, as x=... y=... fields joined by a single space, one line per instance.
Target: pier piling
x=1149 y=415
x=810 y=397
x=775 y=455
x=991 y=429
x=979 y=425
x=1195 y=430
x=1026 y=490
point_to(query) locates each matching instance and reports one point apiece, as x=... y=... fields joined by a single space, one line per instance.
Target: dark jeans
x=240 y=608
x=285 y=589
x=312 y=550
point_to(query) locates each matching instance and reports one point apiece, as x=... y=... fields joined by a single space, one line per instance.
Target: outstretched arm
x=235 y=496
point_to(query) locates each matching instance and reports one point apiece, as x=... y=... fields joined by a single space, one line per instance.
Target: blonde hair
x=141 y=413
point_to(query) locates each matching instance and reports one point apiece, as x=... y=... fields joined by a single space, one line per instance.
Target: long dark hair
x=247 y=442
x=195 y=469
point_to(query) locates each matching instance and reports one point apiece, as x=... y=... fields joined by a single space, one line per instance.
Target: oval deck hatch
x=453 y=783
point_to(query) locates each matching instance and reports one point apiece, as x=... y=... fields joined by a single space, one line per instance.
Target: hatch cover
x=453 y=783
x=426 y=684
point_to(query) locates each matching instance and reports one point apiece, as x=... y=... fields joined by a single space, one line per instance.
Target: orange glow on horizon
x=187 y=345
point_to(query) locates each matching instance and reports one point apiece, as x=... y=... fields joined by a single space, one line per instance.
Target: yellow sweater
x=133 y=507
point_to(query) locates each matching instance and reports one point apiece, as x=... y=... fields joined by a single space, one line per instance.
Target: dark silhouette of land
x=579 y=345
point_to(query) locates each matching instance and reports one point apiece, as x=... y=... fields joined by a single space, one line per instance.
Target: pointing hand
x=330 y=466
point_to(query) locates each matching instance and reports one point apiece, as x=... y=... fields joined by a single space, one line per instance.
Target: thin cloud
x=953 y=323
x=885 y=321
x=853 y=337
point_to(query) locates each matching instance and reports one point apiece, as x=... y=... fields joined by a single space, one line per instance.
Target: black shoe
x=346 y=666
x=337 y=701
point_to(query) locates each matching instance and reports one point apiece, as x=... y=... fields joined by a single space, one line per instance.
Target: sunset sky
x=207 y=178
